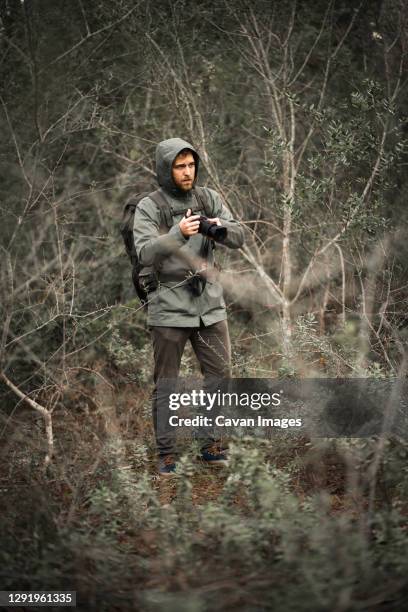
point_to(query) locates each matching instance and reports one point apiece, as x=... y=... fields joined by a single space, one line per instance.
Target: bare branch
x=91 y=35
x=39 y=408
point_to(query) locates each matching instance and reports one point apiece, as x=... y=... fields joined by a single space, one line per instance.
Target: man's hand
x=189 y=224
x=216 y=221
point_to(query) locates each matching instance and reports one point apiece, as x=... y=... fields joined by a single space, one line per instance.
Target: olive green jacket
x=172 y=304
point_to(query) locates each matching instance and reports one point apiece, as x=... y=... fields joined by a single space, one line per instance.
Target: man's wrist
x=176 y=232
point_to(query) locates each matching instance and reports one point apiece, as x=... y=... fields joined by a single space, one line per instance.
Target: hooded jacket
x=173 y=255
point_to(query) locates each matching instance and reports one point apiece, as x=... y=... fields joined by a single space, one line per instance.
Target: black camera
x=212 y=230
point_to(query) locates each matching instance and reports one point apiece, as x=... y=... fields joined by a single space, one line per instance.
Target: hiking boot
x=214 y=456
x=167 y=465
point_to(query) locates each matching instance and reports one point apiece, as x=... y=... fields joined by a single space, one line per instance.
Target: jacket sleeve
x=151 y=246
x=235 y=231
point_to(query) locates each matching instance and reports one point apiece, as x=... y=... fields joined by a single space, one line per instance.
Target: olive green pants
x=213 y=350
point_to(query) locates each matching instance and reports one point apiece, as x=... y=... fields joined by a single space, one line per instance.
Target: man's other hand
x=215 y=220
x=189 y=224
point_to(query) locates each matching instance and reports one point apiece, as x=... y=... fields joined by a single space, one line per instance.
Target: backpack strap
x=201 y=202
x=204 y=198
x=166 y=213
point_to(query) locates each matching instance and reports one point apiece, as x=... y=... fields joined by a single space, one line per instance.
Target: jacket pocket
x=214 y=296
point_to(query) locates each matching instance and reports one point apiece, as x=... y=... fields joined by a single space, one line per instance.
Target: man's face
x=183 y=171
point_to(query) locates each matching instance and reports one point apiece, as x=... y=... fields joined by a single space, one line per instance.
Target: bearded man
x=184 y=306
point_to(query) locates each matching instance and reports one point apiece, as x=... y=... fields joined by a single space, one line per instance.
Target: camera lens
x=218 y=233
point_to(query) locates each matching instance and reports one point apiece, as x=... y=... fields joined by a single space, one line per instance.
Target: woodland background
x=299 y=111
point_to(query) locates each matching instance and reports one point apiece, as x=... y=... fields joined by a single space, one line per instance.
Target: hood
x=166 y=152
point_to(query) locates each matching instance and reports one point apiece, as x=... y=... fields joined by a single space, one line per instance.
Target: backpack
x=144 y=283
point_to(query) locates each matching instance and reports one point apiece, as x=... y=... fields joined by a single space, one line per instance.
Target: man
x=178 y=309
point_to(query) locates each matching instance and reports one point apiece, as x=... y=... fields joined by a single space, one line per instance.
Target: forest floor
x=80 y=461
x=96 y=442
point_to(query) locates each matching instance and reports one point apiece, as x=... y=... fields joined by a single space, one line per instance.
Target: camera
x=212 y=230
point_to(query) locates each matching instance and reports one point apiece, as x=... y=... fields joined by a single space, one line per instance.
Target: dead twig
x=45 y=413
